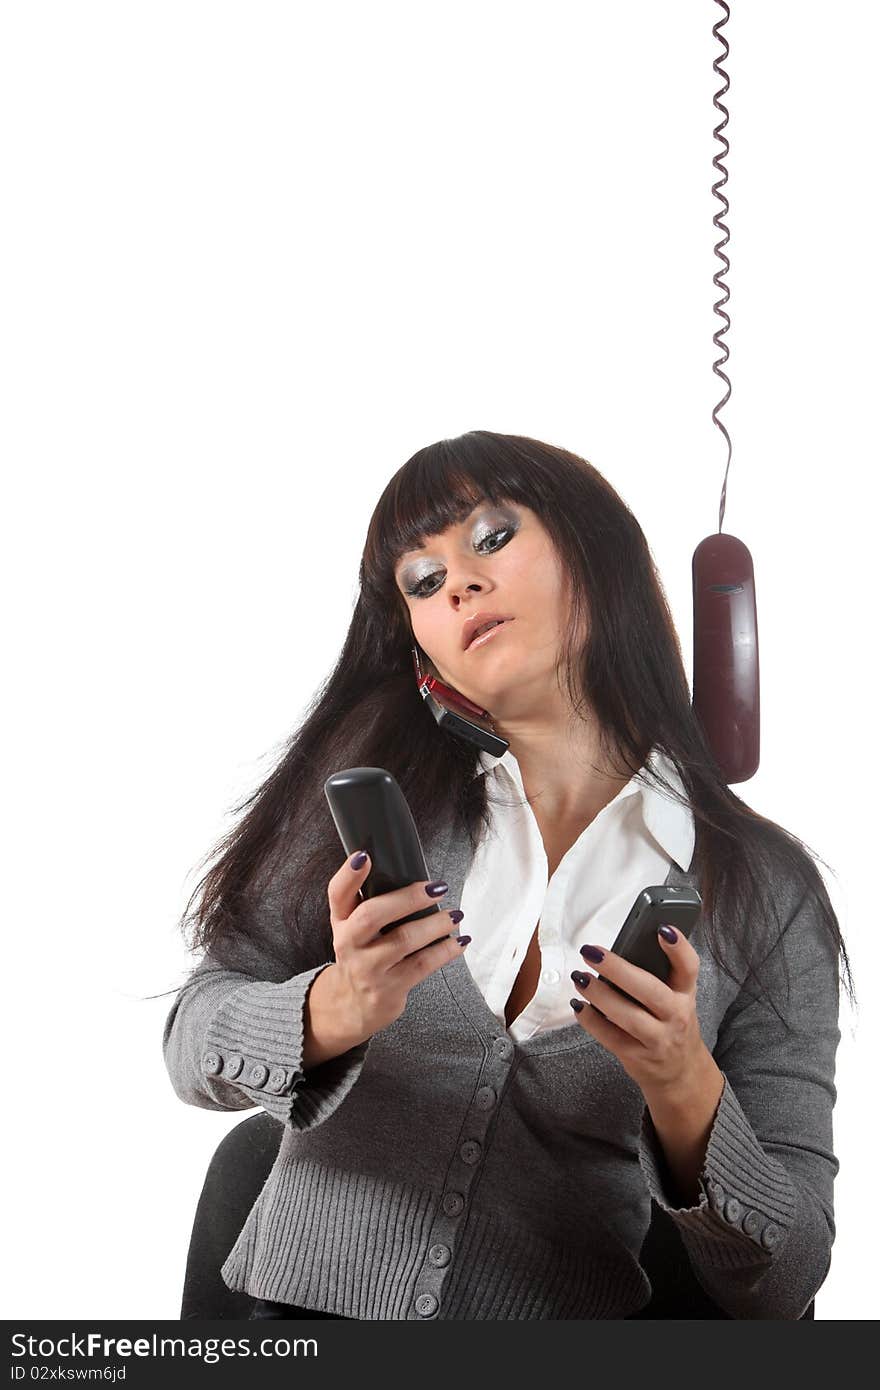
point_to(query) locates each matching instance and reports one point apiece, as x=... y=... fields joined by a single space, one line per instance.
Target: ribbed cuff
x=747 y=1200
x=255 y=1041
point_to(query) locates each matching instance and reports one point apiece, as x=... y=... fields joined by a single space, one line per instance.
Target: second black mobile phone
x=637 y=939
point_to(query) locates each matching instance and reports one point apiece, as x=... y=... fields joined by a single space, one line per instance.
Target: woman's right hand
x=375 y=972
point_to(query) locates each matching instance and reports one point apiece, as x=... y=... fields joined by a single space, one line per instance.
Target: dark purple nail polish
x=357 y=861
x=669 y=934
x=593 y=954
x=576 y=1004
x=456 y=915
x=463 y=940
x=580 y=978
x=437 y=888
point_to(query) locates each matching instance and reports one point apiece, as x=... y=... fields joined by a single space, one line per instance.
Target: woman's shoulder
x=798 y=932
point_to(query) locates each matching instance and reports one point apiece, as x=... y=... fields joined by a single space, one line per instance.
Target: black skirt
x=265 y=1308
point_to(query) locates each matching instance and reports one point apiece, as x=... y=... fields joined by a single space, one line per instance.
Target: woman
x=459 y=1140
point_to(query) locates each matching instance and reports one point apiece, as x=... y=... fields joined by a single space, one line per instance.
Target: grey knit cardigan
x=444 y=1170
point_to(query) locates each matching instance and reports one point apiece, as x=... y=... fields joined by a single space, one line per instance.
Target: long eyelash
x=490 y=535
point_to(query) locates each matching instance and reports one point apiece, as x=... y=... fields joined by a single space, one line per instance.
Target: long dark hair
x=369 y=713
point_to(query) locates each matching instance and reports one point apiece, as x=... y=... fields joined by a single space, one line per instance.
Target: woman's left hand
x=660 y=1046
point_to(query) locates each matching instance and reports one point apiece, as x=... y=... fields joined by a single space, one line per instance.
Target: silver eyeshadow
x=414 y=573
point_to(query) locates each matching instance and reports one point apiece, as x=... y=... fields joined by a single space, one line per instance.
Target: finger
x=684 y=961
x=638 y=1023
x=606 y=1032
x=342 y=890
x=639 y=983
x=411 y=937
x=418 y=966
x=373 y=917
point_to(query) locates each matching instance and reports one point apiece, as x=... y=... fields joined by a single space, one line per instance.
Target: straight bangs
x=439 y=487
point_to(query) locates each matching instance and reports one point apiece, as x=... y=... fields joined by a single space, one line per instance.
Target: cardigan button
x=453 y=1203
x=502 y=1047
x=733 y=1211
x=751 y=1223
x=470 y=1151
x=277 y=1078
x=212 y=1062
x=234 y=1064
x=439 y=1255
x=716 y=1197
x=770 y=1236
x=485 y=1098
x=426 y=1305
x=257 y=1074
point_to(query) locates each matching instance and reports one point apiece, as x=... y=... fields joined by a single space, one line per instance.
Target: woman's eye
x=502 y=531
x=419 y=590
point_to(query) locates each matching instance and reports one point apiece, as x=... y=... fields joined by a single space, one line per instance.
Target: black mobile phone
x=371 y=812
x=637 y=939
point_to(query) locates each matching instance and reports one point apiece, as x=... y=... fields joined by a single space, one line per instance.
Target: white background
x=254 y=257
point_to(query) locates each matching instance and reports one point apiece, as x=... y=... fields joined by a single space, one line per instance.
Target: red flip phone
x=449 y=707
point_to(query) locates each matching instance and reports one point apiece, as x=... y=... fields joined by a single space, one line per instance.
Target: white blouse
x=630 y=845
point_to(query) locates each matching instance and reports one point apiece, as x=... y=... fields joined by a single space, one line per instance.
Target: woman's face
x=499 y=560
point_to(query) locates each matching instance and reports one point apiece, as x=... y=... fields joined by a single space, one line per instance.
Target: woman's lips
x=487 y=636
